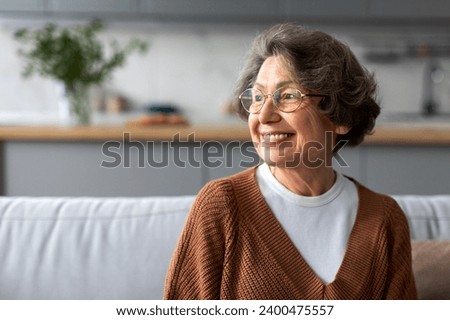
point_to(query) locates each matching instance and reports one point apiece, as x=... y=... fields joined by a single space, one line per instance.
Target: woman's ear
x=342 y=129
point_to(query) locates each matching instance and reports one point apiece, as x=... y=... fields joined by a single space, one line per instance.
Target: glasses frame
x=302 y=95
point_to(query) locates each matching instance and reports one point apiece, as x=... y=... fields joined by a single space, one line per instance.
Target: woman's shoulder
x=223 y=192
x=384 y=204
x=367 y=194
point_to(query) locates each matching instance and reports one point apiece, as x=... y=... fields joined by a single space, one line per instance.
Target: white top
x=318 y=226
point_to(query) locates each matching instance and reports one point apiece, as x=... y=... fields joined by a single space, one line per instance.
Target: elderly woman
x=293 y=228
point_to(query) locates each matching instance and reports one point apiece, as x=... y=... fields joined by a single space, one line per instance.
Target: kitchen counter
x=384 y=134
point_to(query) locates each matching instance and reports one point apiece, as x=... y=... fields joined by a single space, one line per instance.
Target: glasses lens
x=287 y=99
x=252 y=100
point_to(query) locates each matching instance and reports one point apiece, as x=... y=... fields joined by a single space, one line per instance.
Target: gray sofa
x=120 y=248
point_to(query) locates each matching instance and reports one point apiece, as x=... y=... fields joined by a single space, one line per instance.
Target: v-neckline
x=296 y=267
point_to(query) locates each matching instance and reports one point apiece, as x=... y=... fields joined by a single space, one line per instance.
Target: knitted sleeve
x=195 y=272
x=401 y=284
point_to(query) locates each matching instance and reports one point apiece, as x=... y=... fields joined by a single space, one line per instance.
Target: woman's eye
x=259 y=98
x=288 y=96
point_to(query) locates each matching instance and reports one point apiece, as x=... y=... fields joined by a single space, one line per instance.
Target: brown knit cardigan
x=233 y=247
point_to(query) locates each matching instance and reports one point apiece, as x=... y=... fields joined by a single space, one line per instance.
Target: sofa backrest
x=87 y=248
x=428 y=216
x=120 y=248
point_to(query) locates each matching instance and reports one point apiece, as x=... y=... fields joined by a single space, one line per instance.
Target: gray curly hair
x=321 y=64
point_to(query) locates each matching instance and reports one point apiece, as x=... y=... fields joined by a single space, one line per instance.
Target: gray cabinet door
x=221 y=159
x=205 y=9
x=409 y=169
x=411 y=8
x=326 y=8
x=157 y=168
x=88 y=169
x=21 y=6
x=350 y=162
x=92 y=6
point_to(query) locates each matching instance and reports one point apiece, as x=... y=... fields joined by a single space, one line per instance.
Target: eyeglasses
x=285 y=99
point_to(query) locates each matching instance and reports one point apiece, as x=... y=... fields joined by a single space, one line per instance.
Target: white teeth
x=274 y=137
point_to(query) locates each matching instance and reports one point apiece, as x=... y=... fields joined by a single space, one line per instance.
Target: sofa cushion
x=87 y=248
x=431 y=266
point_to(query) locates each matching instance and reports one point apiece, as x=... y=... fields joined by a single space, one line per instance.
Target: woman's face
x=290 y=139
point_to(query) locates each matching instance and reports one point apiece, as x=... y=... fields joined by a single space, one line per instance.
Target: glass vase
x=75 y=106
x=80 y=106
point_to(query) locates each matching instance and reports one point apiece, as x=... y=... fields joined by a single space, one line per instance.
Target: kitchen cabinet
x=92 y=6
x=155 y=169
x=400 y=169
x=206 y=9
x=222 y=159
x=351 y=162
x=75 y=169
x=198 y=11
x=326 y=8
x=410 y=9
x=408 y=169
x=24 y=6
x=148 y=168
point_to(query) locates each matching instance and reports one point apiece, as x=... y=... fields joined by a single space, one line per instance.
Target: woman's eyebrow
x=279 y=85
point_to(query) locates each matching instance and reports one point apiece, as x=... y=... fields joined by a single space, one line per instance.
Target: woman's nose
x=268 y=112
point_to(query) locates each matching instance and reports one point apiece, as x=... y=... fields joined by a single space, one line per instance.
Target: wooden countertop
x=414 y=135
x=384 y=134
x=142 y=133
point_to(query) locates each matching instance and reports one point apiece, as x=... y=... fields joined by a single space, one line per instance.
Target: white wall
x=191 y=66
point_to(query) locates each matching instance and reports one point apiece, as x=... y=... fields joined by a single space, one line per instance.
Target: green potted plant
x=75 y=57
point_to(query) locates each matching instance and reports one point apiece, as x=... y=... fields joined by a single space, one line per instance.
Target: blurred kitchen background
x=196 y=49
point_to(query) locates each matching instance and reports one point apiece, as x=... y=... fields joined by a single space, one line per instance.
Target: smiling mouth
x=274 y=137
